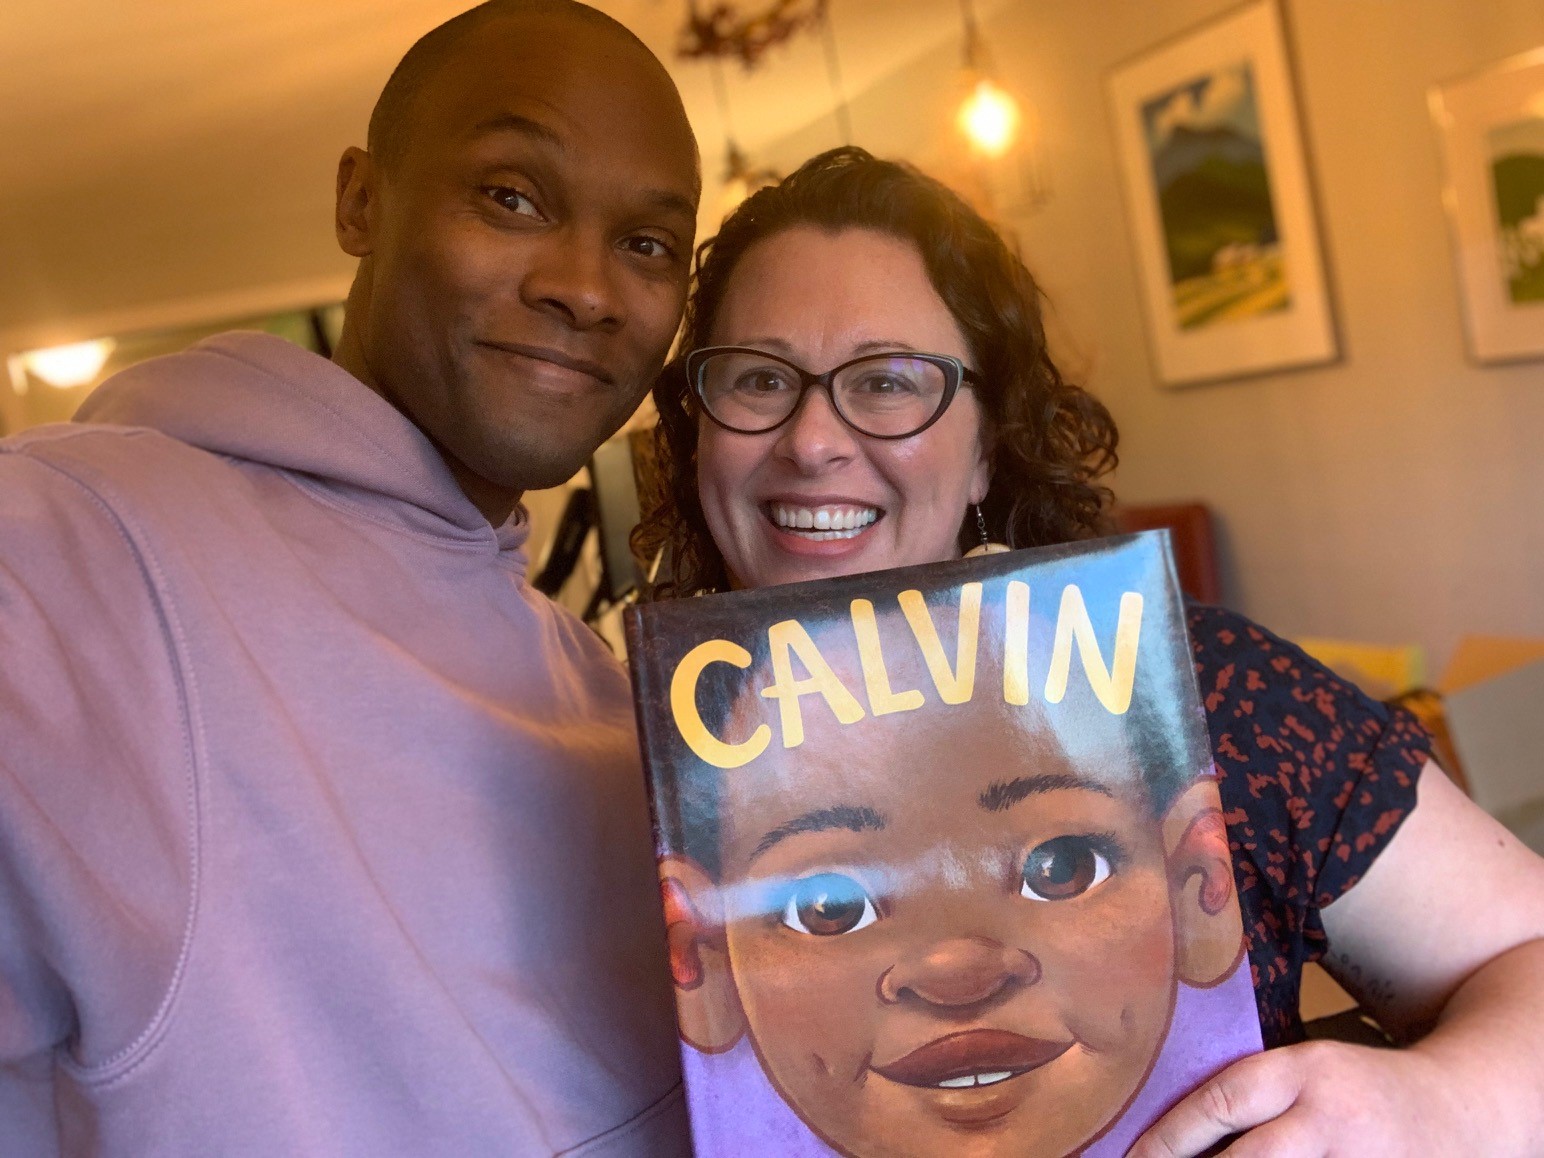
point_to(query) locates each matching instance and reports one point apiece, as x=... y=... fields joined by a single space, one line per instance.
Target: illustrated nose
x=964 y=971
x=815 y=436
x=573 y=280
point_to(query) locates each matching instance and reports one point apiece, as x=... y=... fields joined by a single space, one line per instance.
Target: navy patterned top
x=1316 y=778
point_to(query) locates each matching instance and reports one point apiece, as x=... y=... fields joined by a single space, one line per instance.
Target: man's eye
x=1063 y=868
x=646 y=246
x=828 y=905
x=513 y=200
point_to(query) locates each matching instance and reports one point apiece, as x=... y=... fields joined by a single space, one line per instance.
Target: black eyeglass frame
x=956 y=374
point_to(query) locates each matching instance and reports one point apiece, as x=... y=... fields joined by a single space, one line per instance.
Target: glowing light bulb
x=66 y=367
x=989 y=118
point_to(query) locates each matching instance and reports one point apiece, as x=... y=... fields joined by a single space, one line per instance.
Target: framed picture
x=1218 y=198
x=1491 y=128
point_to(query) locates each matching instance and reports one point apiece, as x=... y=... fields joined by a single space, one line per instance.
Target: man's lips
x=974 y=1054
x=557 y=358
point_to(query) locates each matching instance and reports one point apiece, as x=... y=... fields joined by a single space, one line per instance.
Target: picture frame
x=1490 y=130
x=1220 y=204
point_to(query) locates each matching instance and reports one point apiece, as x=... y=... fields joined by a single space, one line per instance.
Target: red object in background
x=1195 y=546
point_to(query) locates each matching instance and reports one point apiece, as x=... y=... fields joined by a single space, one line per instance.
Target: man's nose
x=816 y=437
x=959 y=972
x=573 y=278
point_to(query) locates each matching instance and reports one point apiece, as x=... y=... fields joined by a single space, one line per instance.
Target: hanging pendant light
x=1003 y=135
x=989 y=118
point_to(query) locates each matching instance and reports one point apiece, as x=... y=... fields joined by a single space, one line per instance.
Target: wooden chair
x=1195 y=546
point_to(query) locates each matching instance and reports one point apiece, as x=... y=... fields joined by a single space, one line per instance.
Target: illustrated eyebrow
x=1006 y=793
x=822 y=820
x=525 y=126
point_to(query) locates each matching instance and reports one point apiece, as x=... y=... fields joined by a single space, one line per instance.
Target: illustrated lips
x=975 y=1057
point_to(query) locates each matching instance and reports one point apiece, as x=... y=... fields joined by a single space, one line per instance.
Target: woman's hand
x=1440 y=941
x=1316 y=1100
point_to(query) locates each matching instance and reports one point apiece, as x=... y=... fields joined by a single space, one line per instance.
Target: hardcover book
x=943 y=861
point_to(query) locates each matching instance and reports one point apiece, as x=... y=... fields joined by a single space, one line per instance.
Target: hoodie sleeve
x=97 y=795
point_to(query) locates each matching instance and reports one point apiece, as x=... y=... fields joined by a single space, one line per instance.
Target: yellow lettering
x=1016 y=645
x=958 y=685
x=1112 y=685
x=683 y=704
x=789 y=639
x=882 y=701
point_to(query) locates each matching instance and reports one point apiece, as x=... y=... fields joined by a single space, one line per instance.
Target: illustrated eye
x=513 y=200
x=763 y=380
x=1063 y=868
x=828 y=905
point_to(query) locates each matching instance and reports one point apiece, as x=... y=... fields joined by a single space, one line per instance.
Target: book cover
x=942 y=856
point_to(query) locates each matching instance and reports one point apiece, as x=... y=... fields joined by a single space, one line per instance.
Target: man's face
x=964 y=949
x=526 y=255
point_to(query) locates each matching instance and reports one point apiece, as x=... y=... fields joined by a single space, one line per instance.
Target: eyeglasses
x=893 y=395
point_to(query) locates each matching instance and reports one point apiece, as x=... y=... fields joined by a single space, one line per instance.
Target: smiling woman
x=771 y=498
x=1342 y=832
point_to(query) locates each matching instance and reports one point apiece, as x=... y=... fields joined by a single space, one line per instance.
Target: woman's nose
x=816 y=437
x=959 y=972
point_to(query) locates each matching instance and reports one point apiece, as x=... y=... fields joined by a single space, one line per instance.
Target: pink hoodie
x=321 y=833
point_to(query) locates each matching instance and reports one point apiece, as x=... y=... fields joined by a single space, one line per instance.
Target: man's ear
x=1208 y=929
x=354 y=205
x=707 y=1005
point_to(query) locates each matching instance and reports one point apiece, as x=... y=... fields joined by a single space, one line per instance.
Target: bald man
x=321 y=833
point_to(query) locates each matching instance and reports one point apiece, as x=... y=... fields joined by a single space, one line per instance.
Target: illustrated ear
x=354 y=202
x=707 y=1005
x=1208 y=929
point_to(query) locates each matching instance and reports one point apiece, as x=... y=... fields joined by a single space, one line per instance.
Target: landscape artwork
x=1490 y=127
x=1214 y=199
x=1517 y=171
x=1223 y=225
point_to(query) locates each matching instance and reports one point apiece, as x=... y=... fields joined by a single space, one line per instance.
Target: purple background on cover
x=735 y=1112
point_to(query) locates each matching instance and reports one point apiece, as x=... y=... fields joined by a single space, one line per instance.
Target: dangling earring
x=987 y=547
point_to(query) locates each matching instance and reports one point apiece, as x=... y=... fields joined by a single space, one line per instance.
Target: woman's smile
x=814 y=496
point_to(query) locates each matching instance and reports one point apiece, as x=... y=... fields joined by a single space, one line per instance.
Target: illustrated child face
x=945 y=941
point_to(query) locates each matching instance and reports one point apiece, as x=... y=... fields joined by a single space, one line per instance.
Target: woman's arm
x=1443 y=941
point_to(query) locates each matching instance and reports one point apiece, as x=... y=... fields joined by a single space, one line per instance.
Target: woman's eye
x=828 y=905
x=1061 y=869
x=883 y=384
x=513 y=200
x=766 y=381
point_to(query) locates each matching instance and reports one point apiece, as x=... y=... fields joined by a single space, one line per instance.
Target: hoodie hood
x=257 y=398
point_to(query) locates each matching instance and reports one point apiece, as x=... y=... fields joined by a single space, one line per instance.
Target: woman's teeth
x=824 y=522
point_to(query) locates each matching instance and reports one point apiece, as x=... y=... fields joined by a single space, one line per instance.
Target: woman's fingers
x=1247 y=1094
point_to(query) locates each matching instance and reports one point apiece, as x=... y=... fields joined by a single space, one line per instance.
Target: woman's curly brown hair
x=1049 y=441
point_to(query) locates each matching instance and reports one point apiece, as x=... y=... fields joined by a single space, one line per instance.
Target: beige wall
x=1397 y=496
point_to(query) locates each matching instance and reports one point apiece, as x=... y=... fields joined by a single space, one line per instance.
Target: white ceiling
x=162 y=150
